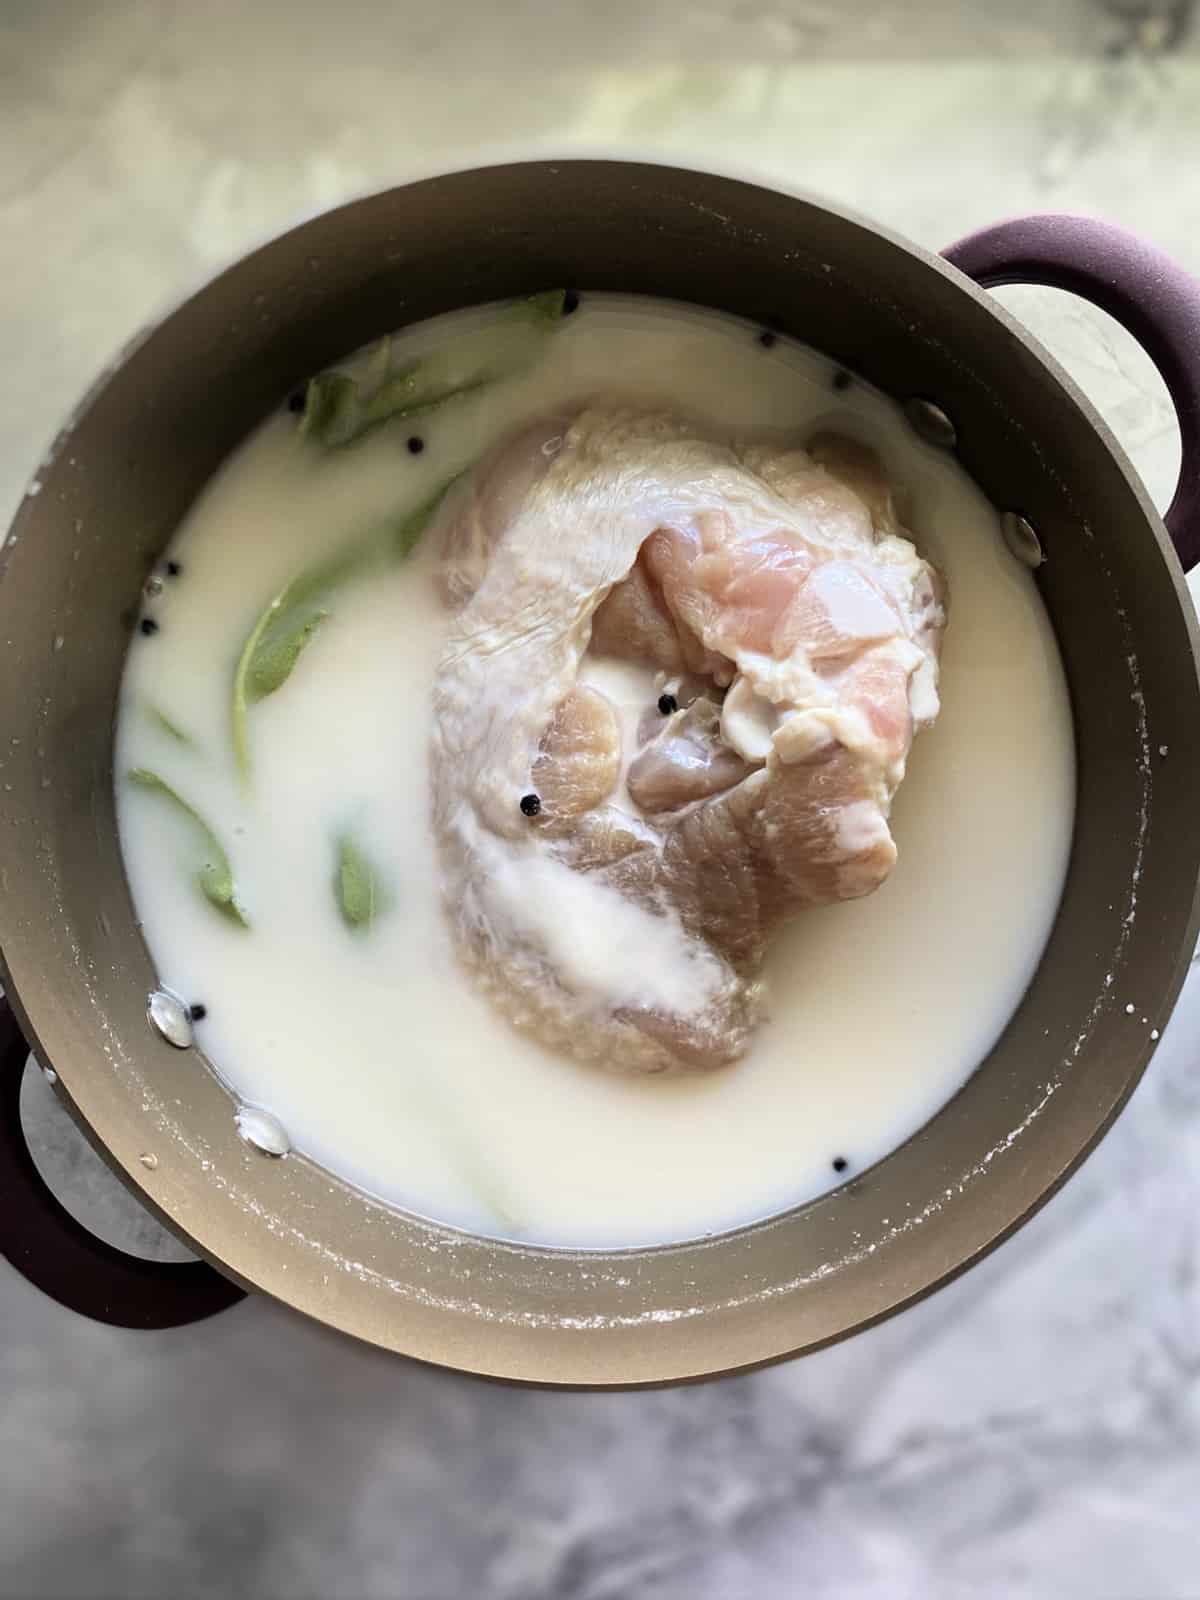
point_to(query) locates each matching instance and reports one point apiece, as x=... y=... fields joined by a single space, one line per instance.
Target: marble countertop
x=1033 y=1431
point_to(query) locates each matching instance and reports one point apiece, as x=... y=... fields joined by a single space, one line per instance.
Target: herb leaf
x=286 y=626
x=163 y=722
x=357 y=886
x=241 y=677
x=401 y=537
x=332 y=409
x=278 y=650
x=214 y=875
x=544 y=307
x=338 y=409
x=284 y=629
x=381 y=361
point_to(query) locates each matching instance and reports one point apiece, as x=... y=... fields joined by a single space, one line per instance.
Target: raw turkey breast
x=613 y=888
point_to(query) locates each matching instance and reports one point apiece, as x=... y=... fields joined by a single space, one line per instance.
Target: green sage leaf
x=339 y=409
x=402 y=537
x=214 y=875
x=287 y=624
x=279 y=648
x=357 y=885
x=163 y=722
x=332 y=409
x=281 y=633
x=544 y=307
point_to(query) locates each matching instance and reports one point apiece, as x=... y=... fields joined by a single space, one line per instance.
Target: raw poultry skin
x=626 y=922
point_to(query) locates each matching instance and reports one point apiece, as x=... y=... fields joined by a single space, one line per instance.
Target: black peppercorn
x=197 y=1012
x=415 y=445
x=840 y=1163
x=173 y=569
x=148 y=626
x=667 y=703
x=531 y=804
x=767 y=339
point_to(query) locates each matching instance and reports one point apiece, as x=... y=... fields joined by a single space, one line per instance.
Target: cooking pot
x=138 y=451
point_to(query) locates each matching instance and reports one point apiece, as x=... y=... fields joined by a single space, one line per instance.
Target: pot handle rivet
x=263 y=1131
x=931 y=422
x=169 y=1017
x=1021 y=540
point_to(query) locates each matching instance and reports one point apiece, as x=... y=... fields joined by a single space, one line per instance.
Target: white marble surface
x=1034 y=1430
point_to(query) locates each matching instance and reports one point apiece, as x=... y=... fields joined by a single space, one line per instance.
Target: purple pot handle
x=1143 y=289
x=45 y=1244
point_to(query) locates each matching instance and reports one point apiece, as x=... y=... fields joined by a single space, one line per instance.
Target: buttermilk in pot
x=349 y=802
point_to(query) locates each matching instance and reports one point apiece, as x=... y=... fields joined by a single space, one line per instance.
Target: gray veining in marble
x=1031 y=1432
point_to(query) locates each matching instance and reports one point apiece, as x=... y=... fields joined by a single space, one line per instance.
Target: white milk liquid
x=370 y=1047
